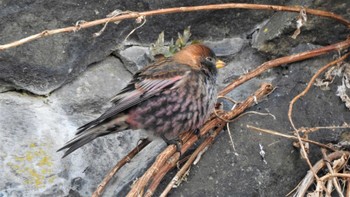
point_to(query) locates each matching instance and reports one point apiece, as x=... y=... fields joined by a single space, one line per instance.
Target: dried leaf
x=114 y=13
x=323 y=84
x=344 y=89
x=313 y=194
x=158 y=48
x=340 y=163
x=341 y=92
x=110 y=15
x=302 y=18
x=117 y=12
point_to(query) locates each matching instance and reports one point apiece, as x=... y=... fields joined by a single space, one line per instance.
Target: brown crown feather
x=192 y=54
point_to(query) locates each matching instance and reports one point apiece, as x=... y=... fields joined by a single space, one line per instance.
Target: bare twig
x=309 y=178
x=303 y=151
x=268 y=131
x=255 y=113
x=328 y=176
x=329 y=188
x=348 y=187
x=334 y=179
x=284 y=60
x=172 y=160
x=101 y=187
x=141 y=18
x=141 y=183
x=311 y=82
x=170 y=164
x=168 y=159
x=261 y=92
x=133 y=15
x=313 y=129
x=138 y=188
x=179 y=175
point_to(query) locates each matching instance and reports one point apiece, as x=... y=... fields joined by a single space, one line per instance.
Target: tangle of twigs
x=135 y=15
x=169 y=157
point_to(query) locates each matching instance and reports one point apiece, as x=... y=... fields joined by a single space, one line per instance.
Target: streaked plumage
x=170 y=96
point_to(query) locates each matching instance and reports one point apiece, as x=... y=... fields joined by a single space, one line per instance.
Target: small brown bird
x=173 y=95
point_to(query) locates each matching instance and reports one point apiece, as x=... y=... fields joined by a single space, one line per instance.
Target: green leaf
x=158 y=48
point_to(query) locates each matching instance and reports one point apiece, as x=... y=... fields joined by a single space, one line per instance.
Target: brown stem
x=138 y=188
x=101 y=187
x=334 y=179
x=289 y=137
x=328 y=176
x=291 y=108
x=171 y=163
x=284 y=60
x=132 y=15
x=303 y=151
x=217 y=123
x=309 y=178
x=179 y=175
x=347 y=187
x=311 y=82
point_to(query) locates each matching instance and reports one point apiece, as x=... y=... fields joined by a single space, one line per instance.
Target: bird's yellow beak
x=220 y=64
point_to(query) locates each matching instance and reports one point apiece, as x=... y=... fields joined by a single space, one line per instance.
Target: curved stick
x=134 y=15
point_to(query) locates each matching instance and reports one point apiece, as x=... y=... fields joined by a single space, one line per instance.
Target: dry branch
x=101 y=187
x=311 y=82
x=271 y=132
x=162 y=164
x=284 y=60
x=180 y=174
x=264 y=90
x=160 y=161
x=296 y=131
x=135 y=15
x=334 y=180
x=169 y=159
x=348 y=187
x=309 y=178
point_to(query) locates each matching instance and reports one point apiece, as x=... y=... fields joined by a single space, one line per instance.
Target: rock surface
x=44 y=65
x=277 y=32
x=31 y=166
x=78 y=74
x=223 y=171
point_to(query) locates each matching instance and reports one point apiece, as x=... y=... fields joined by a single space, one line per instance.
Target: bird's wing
x=146 y=83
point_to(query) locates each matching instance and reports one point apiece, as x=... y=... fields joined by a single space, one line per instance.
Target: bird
x=166 y=98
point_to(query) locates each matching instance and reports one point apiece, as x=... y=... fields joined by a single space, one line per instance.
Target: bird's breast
x=173 y=111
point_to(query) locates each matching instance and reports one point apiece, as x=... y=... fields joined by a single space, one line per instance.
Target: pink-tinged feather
x=166 y=98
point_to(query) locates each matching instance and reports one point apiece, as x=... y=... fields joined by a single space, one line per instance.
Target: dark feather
x=139 y=89
x=185 y=81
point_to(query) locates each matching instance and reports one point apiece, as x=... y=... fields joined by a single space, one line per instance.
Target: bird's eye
x=210 y=59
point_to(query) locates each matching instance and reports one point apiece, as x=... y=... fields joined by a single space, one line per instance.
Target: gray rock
x=275 y=37
x=223 y=171
x=44 y=65
x=90 y=92
x=238 y=64
x=227 y=46
x=134 y=57
x=77 y=90
x=34 y=127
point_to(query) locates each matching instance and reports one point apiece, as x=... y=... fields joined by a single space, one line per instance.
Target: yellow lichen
x=34 y=165
x=45 y=161
x=32 y=145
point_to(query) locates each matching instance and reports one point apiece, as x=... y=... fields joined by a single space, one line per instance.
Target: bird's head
x=199 y=56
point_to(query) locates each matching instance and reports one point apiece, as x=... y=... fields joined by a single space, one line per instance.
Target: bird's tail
x=93 y=130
